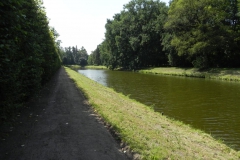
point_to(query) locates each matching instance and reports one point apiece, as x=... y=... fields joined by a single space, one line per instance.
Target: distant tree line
x=73 y=55
x=187 y=33
x=29 y=52
x=99 y=56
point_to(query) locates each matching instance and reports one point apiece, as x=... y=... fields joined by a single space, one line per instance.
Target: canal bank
x=228 y=74
x=149 y=133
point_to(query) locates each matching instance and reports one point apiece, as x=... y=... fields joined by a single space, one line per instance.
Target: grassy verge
x=96 y=67
x=149 y=133
x=76 y=67
x=214 y=73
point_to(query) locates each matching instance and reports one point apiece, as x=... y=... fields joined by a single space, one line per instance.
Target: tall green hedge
x=28 y=53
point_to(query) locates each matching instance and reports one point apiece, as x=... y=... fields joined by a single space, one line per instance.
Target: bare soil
x=58 y=125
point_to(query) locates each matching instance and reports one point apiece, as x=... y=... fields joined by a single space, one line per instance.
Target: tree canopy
x=133 y=37
x=205 y=31
x=203 y=34
x=73 y=55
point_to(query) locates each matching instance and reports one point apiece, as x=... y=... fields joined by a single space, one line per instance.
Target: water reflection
x=213 y=106
x=97 y=75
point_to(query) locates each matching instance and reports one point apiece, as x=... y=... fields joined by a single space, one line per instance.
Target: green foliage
x=173 y=58
x=238 y=8
x=205 y=31
x=104 y=55
x=133 y=37
x=96 y=57
x=28 y=52
x=203 y=34
x=73 y=55
x=99 y=56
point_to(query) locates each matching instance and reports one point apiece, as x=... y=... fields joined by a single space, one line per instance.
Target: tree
x=90 y=59
x=95 y=57
x=238 y=8
x=83 y=62
x=111 y=32
x=203 y=31
x=173 y=58
x=104 y=54
x=83 y=57
x=133 y=37
x=83 y=53
x=72 y=55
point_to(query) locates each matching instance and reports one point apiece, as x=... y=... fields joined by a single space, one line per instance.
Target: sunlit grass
x=214 y=73
x=149 y=133
x=96 y=67
x=75 y=67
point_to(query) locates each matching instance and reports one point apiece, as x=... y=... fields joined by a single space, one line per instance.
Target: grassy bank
x=96 y=67
x=227 y=74
x=75 y=67
x=214 y=73
x=148 y=133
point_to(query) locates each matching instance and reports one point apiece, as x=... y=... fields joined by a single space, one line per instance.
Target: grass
x=232 y=74
x=76 y=67
x=148 y=133
x=96 y=67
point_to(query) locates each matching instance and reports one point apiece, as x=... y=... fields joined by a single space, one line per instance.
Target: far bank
x=227 y=74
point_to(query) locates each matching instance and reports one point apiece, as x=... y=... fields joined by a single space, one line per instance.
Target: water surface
x=209 y=105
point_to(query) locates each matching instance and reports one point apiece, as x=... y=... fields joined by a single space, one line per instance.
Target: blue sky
x=82 y=22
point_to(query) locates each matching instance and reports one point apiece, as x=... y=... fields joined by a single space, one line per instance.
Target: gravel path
x=58 y=125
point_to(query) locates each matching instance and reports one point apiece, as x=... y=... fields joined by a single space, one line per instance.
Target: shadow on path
x=58 y=125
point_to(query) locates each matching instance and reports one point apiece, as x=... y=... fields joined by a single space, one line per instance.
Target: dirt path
x=58 y=125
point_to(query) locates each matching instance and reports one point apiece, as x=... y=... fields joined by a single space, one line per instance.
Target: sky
x=82 y=22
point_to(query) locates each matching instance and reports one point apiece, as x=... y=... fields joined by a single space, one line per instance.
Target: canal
x=210 y=105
